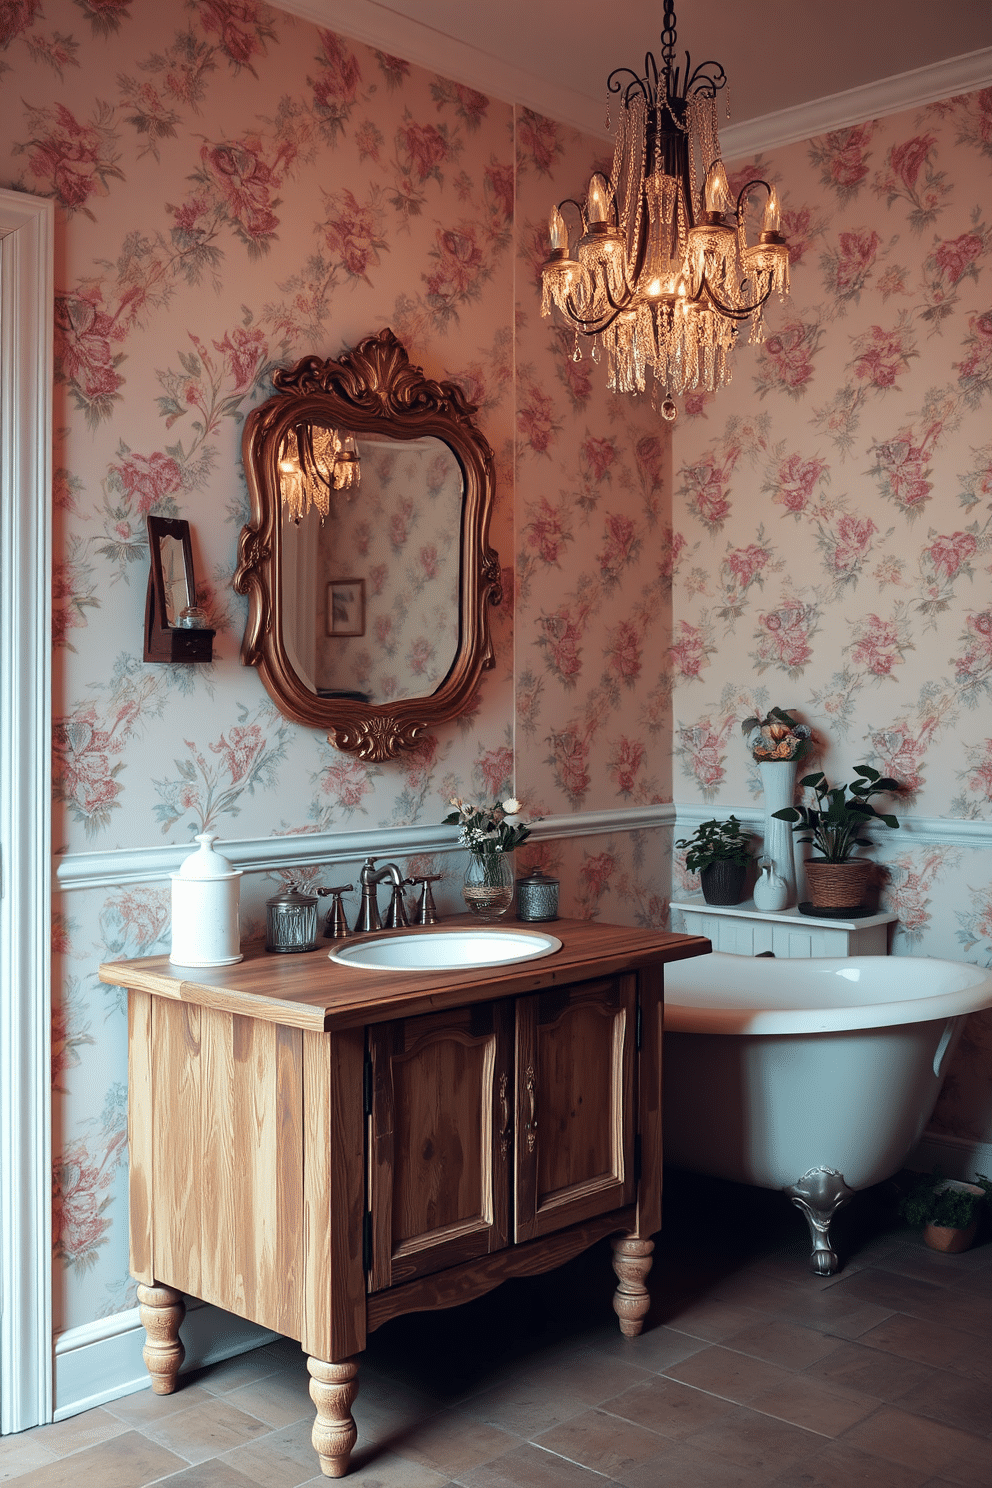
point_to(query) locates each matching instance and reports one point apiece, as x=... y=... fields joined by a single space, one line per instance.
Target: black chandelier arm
x=593 y=327
x=746 y=188
x=571 y=202
x=596 y=322
x=615 y=84
x=702 y=83
x=732 y=312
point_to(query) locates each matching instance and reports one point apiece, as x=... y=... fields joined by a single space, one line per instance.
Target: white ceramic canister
x=206 y=898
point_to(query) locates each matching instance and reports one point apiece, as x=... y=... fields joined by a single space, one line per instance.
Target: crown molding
x=379 y=26
x=891 y=95
x=427 y=47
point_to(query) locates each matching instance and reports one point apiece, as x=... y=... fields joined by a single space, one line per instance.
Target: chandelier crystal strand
x=662 y=277
x=314 y=462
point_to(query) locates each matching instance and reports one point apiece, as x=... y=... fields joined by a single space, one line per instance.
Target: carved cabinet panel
x=575 y=1104
x=439 y=1140
x=525 y=1105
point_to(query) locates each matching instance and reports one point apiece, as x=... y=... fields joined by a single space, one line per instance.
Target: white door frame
x=26 y=332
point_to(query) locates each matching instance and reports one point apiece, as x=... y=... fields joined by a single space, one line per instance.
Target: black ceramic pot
x=723 y=883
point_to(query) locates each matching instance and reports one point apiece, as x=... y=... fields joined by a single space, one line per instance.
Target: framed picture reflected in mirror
x=346 y=607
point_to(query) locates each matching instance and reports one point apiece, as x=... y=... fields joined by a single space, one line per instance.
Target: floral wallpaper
x=235 y=189
x=833 y=520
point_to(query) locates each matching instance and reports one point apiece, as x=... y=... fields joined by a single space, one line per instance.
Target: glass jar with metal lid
x=537 y=896
x=291 y=921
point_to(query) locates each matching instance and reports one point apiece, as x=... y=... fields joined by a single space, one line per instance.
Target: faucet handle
x=426 y=913
x=335 y=925
x=396 y=913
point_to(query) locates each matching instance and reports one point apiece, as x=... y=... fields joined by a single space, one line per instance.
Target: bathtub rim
x=687 y=1017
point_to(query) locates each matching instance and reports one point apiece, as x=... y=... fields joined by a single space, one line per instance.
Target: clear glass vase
x=488 y=884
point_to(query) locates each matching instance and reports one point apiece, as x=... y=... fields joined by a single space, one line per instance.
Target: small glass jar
x=537 y=896
x=291 y=921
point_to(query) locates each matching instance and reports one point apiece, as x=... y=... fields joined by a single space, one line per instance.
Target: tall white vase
x=778 y=781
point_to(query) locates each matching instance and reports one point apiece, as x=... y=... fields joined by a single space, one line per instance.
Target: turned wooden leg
x=631 y=1300
x=162 y=1310
x=333 y=1387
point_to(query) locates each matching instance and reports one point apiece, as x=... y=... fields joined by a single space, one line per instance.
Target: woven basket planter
x=839 y=885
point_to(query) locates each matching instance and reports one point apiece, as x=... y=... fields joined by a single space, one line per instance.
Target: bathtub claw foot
x=819 y=1193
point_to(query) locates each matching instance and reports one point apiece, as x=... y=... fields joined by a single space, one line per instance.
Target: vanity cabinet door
x=439 y=1140
x=575 y=1121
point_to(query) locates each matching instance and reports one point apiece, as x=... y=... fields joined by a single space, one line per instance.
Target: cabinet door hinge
x=367 y=1084
x=367 y=1241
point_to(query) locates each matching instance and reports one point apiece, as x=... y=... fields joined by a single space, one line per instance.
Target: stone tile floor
x=751 y=1372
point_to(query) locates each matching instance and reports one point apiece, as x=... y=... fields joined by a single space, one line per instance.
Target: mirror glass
x=174 y=586
x=370 y=594
x=372 y=624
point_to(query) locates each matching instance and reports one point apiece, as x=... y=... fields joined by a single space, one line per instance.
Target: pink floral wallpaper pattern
x=833 y=519
x=236 y=188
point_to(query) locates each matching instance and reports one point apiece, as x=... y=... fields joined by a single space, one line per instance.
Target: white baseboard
x=102 y=1361
x=957 y=1157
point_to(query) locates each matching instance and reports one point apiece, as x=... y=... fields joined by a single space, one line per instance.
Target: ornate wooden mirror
x=366 y=560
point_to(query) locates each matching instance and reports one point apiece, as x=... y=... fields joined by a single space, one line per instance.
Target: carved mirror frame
x=373 y=388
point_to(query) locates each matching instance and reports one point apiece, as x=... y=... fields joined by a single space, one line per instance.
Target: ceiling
x=780 y=57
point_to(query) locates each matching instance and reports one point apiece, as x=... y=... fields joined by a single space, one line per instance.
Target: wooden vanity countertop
x=308 y=990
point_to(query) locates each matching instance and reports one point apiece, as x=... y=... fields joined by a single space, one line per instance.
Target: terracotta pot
x=723 y=883
x=839 y=885
x=940 y=1237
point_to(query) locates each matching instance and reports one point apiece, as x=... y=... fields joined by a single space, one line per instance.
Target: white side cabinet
x=742 y=930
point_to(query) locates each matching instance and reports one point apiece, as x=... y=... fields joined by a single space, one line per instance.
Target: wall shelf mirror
x=175 y=627
x=366 y=560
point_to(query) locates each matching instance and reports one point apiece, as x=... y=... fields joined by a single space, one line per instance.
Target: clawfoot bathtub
x=813 y=1076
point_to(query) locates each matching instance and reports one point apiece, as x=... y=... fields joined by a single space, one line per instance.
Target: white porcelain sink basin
x=447 y=950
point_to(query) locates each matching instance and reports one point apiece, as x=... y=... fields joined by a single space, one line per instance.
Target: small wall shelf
x=743 y=930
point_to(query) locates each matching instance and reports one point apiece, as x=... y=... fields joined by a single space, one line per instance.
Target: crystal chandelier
x=313 y=462
x=662 y=275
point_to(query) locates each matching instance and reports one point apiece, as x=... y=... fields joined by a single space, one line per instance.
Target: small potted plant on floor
x=719 y=852
x=946 y=1210
x=837 y=880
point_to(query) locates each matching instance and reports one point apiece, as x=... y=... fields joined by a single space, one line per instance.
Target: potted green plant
x=836 y=879
x=719 y=852
x=946 y=1210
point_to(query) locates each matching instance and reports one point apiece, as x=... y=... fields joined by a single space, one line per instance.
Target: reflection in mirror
x=372 y=622
x=174 y=586
x=400 y=543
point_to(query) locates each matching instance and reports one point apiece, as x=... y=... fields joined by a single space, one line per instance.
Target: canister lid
x=537 y=875
x=288 y=897
x=205 y=863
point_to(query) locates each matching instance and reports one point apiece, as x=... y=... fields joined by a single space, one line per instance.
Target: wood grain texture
x=631 y=1301
x=438 y=1160
x=313 y=992
x=162 y=1310
x=141 y=1148
x=649 y=1095
x=346 y=1191
x=575 y=1104
x=178 y=1145
x=333 y=1388
x=475 y=1278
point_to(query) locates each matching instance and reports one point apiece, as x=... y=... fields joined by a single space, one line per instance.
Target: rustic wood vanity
x=319 y=1148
